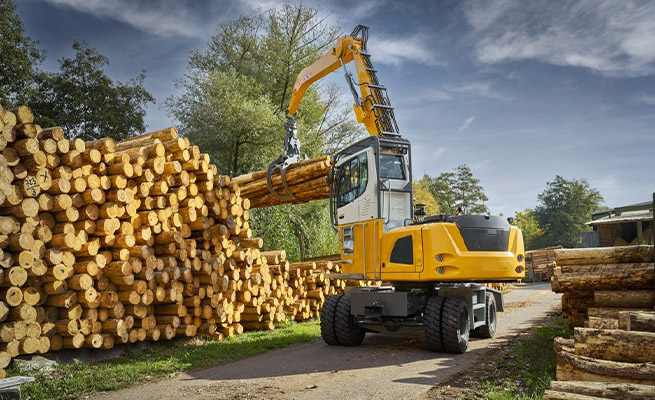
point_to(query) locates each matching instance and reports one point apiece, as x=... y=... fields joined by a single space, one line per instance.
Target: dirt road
x=383 y=366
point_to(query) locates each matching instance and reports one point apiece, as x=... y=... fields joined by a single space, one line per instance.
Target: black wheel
x=347 y=331
x=432 y=323
x=455 y=325
x=488 y=330
x=328 y=312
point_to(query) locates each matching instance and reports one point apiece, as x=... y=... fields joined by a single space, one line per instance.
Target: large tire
x=347 y=331
x=488 y=330
x=455 y=325
x=328 y=313
x=432 y=323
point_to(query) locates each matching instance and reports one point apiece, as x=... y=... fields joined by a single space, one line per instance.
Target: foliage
x=458 y=188
x=233 y=99
x=224 y=114
x=303 y=230
x=72 y=381
x=527 y=222
x=423 y=195
x=527 y=371
x=19 y=56
x=84 y=101
x=564 y=208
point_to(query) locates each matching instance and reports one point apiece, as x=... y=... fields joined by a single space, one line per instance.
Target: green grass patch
x=528 y=369
x=71 y=381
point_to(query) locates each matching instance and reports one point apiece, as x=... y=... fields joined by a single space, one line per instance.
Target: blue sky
x=519 y=90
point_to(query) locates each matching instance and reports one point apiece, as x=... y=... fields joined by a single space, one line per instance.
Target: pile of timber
x=107 y=242
x=600 y=283
x=307 y=181
x=541 y=262
x=609 y=296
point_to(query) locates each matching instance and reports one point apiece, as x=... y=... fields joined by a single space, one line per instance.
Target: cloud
x=646 y=99
x=167 y=18
x=466 y=124
x=610 y=37
x=397 y=50
x=479 y=89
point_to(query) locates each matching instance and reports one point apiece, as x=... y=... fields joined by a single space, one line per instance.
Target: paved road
x=383 y=366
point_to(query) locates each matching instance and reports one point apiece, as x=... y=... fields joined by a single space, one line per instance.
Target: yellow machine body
x=439 y=254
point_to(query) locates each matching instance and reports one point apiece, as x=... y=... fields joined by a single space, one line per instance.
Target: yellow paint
x=372 y=253
x=346 y=49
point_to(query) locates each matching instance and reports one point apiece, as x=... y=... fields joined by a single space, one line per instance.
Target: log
x=571 y=367
x=625 y=298
x=620 y=391
x=605 y=255
x=641 y=321
x=615 y=345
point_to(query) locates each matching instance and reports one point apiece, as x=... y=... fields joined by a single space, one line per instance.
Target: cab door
x=357 y=213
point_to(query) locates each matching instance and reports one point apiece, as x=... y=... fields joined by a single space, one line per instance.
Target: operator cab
x=372 y=179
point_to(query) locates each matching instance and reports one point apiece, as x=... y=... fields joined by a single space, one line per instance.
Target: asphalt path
x=382 y=366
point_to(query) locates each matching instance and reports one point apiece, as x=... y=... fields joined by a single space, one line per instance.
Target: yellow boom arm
x=373 y=109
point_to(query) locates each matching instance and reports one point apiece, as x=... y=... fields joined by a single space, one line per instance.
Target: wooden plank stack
x=609 y=296
x=307 y=181
x=117 y=242
x=541 y=262
x=598 y=283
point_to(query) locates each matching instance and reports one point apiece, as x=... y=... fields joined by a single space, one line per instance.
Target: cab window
x=353 y=178
x=392 y=166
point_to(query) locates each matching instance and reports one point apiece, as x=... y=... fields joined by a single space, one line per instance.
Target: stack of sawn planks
x=609 y=295
x=541 y=262
x=109 y=242
x=307 y=181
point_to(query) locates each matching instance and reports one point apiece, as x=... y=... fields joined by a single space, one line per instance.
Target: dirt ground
x=383 y=366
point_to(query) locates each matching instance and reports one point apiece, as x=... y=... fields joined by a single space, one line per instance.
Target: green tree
x=527 y=222
x=563 y=209
x=88 y=104
x=224 y=114
x=459 y=188
x=423 y=195
x=19 y=56
x=233 y=99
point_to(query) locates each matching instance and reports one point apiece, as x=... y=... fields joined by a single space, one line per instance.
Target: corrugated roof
x=626 y=216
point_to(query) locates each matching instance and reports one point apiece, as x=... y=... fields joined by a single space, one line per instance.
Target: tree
x=459 y=188
x=224 y=114
x=564 y=208
x=88 y=104
x=527 y=222
x=19 y=56
x=233 y=99
x=423 y=195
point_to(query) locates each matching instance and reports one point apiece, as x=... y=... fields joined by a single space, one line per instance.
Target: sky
x=521 y=91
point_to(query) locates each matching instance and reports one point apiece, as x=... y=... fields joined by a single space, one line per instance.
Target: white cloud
x=399 y=50
x=466 y=124
x=610 y=37
x=646 y=99
x=167 y=18
x=480 y=89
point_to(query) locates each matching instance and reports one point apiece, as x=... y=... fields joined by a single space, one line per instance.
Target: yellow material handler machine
x=435 y=264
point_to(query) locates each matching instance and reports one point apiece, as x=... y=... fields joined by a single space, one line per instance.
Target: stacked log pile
x=117 y=242
x=599 y=283
x=609 y=295
x=306 y=180
x=541 y=262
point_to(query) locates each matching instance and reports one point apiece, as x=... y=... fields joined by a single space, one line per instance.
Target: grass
x=528 y=368
x=70 y=381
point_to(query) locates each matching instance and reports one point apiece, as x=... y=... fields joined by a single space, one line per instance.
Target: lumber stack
x=541 y=262
x=609 y=299
x=599 y=283
x=105 y=242
x=307 y=181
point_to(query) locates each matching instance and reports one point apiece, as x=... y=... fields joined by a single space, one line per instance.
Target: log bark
x=619 y=391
